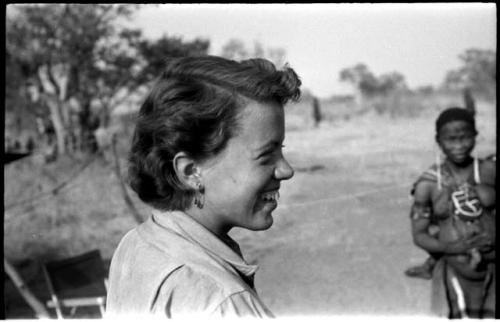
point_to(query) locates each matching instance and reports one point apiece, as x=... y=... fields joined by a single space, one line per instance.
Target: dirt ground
x=341 y=237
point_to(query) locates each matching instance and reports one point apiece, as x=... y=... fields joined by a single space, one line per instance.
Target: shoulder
x=135 y=261
x=208 y=281
x=423 y=186
x=136 y=273
x=430 y=176
x=488 y=171
x=133 y=248
x=243 y=304
x=189 y=290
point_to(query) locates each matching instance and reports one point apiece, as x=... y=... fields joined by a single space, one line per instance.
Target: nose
x=458 y=144
x=459 y=147
x=283 y=170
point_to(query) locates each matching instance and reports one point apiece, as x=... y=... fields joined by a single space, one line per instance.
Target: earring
x=199 y=197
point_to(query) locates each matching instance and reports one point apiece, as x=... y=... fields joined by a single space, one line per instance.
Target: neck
x=460 y=167
x=210 y=222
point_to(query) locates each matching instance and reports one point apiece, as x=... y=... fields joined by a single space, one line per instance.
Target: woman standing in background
x=458 y=195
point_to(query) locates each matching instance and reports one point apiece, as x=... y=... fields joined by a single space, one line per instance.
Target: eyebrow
x=267 y=146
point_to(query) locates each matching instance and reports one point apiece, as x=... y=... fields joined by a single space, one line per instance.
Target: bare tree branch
x=52 y=80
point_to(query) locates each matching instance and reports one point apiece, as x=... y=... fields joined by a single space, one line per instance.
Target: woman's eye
x=271 y=154
x=266 y=156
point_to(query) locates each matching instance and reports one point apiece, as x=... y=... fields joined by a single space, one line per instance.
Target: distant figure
x=17 y=146
x=469 y=103
x=207 y=156
x=316 y=112
x=453 y=219
x=46 y=130
x=30 y=144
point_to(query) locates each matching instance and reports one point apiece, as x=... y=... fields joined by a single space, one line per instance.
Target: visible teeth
x=271 y=196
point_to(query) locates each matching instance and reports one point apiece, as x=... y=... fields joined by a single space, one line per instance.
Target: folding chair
x=75 y=282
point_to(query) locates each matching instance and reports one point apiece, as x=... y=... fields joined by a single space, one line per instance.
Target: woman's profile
x=207 y=156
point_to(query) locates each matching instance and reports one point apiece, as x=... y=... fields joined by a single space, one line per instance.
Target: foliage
x=425 y=89
x=75 y=61
x=370 y=85
x=477 y=72
x=361 y=78
x=154 y=53
x=237 y=50
x=383 y=94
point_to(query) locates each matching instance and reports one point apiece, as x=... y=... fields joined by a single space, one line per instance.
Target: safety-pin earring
x=199 y=197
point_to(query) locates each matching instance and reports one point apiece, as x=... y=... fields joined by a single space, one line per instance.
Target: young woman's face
x=242 y=183
x=457 y=140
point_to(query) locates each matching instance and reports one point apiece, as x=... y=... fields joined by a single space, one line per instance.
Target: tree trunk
x=105 y=117
x=57 y=121
x=358 y=97
x=87 y=126
x=469 y=102
x=33 y=302
x=128 y=201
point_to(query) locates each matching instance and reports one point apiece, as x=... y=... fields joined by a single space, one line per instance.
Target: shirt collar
x=188 y=228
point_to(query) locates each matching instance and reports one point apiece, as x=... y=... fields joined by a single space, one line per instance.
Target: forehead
x=456 y=127
x=261 y=121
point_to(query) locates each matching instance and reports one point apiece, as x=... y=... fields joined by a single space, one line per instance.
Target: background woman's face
x=457 y=140
x=241 y=184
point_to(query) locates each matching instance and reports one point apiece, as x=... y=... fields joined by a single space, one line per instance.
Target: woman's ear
x=186 y=170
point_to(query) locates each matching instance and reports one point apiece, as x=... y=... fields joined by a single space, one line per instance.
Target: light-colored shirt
x=172 y=266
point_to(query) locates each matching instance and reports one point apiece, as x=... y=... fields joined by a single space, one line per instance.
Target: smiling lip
x=459 y=155
x=275 y=189
x=270 y=195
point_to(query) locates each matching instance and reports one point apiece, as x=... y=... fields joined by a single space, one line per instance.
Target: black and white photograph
x=238 y=160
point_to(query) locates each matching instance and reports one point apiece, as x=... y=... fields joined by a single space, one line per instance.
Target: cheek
x=448 y=146
x=248 y=190
x=237 y=187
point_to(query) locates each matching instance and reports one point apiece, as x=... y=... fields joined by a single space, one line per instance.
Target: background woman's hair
x=193 y=107
x=455 y=114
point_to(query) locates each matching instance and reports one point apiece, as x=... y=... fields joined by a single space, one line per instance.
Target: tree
x=425 y=89
x=391 y=82
x=56 y=46
x=236 y=49
x=81 y=66
x=362 y=79
x=155 y=53
x=478 y=72
x=276 y=55
x=469 y=102
x=367 y=85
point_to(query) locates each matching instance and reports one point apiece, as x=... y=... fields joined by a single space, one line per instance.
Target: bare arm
x=488 y=173
x=488 y=177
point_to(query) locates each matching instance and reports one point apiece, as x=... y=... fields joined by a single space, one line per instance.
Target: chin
x=263 y=224
x=267 y=226
x=460 y=161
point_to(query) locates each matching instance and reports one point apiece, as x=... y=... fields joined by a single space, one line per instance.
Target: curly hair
x=193 y=107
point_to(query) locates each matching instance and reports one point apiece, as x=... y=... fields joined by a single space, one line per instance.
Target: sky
x=421 y=41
